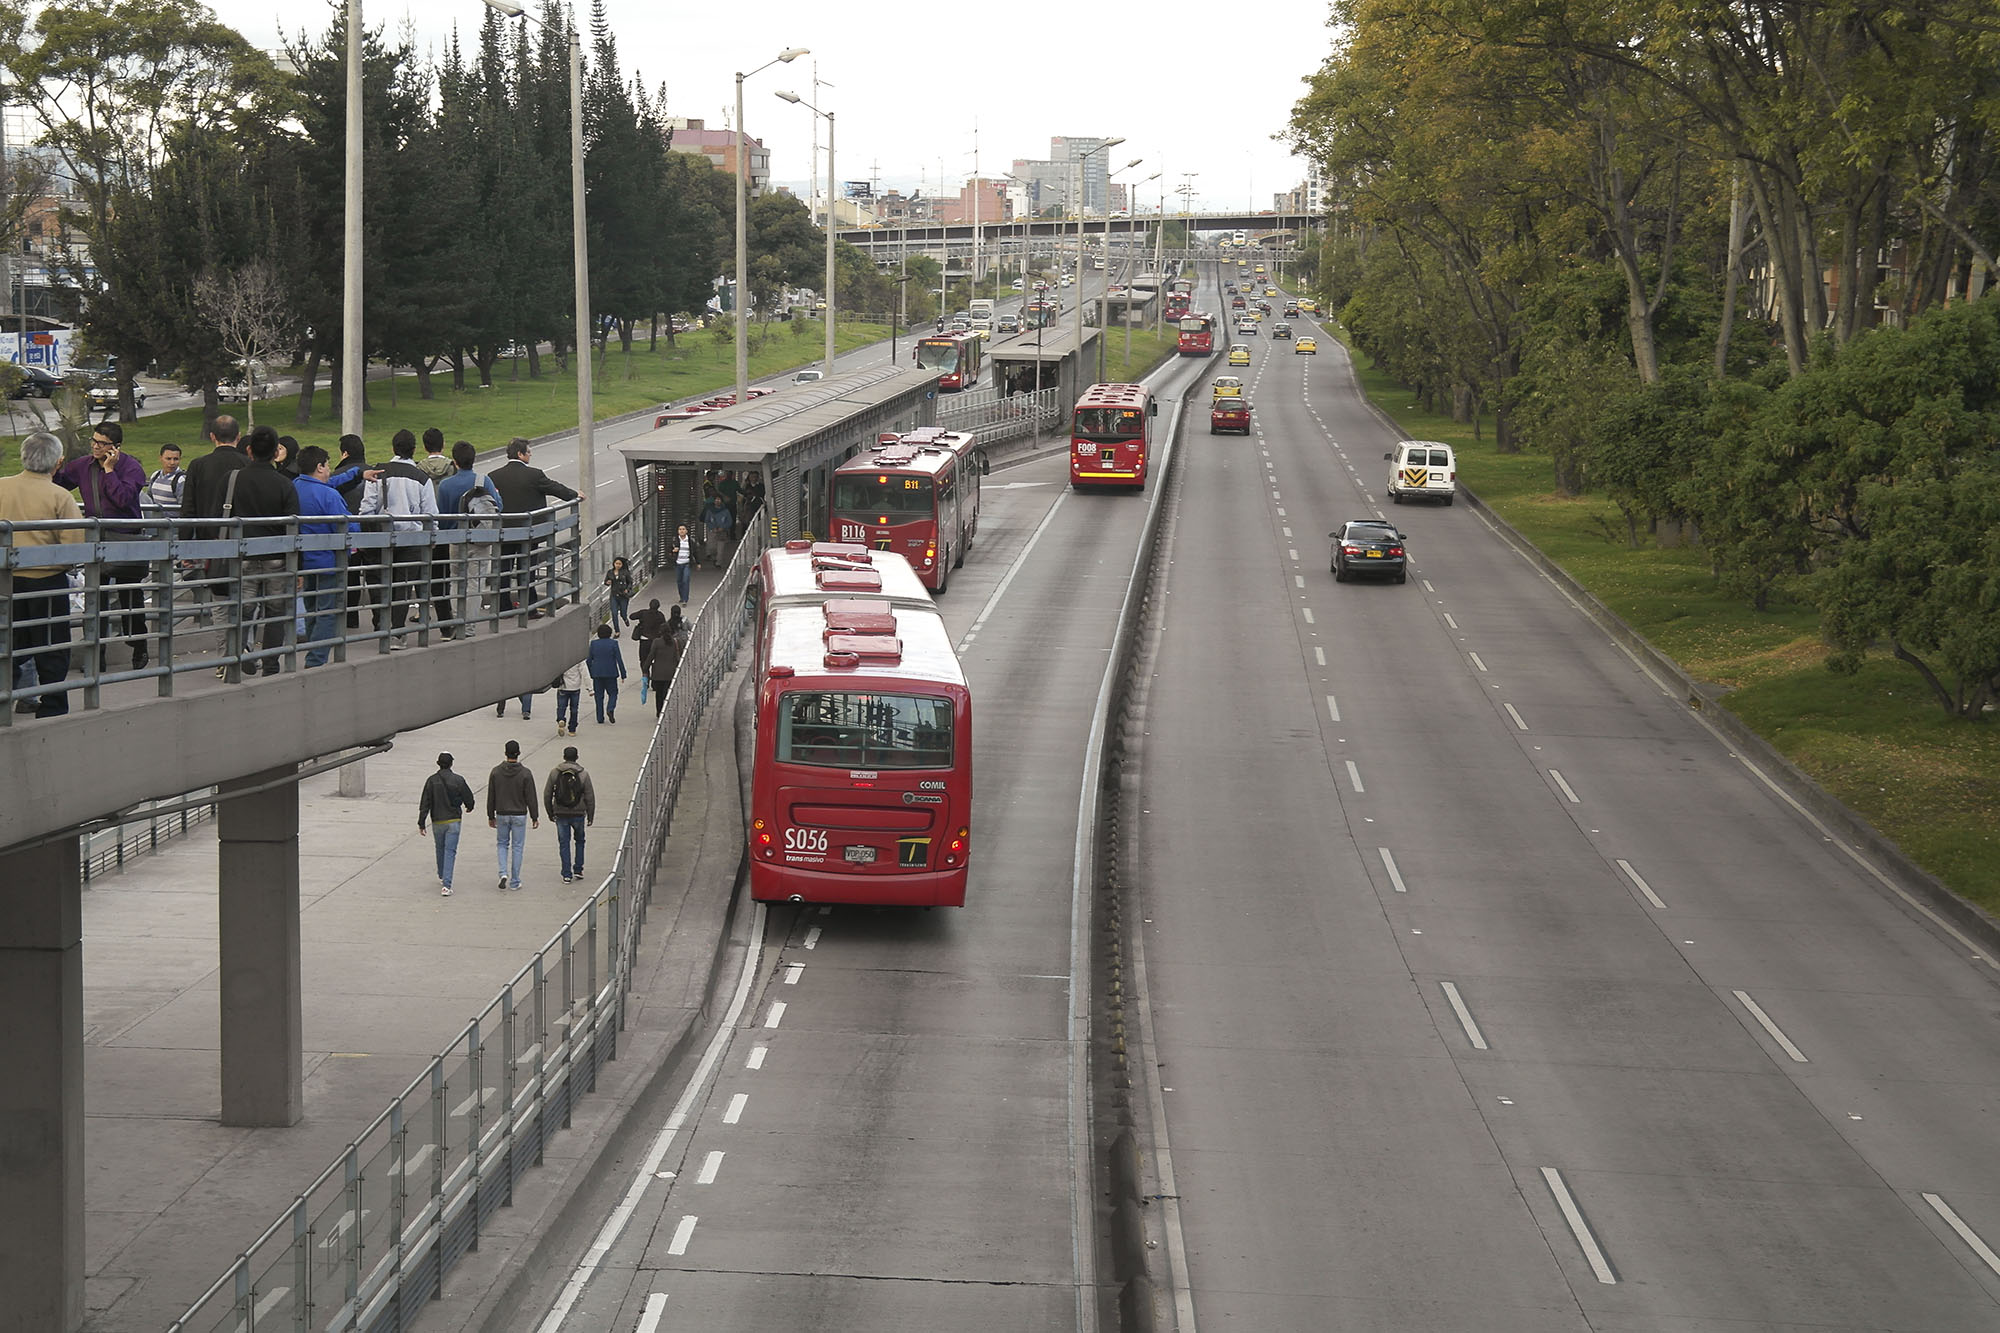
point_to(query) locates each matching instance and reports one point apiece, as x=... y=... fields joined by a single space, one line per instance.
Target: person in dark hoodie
x=512 y=804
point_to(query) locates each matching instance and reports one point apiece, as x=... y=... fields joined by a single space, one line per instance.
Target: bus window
x=937 y=355
x=1110 y=423
x=881 y=493
x=864 y=730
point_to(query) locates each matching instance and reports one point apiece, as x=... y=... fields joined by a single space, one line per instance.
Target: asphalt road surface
x=1490 y=991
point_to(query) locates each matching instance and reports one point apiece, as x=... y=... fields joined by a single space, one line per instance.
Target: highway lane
x=885 y=1141
x=1492 y=992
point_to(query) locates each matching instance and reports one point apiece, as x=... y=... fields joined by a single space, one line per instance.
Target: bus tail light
x=954 y=851
x=763 y=834
x=930 y=554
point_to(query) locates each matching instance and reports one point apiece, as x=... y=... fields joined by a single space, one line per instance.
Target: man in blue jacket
x=607 y=667
x=321 y=511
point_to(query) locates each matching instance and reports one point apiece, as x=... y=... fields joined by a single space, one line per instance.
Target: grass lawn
x=490 y=417
x=1148 y=350
x=1876 y=739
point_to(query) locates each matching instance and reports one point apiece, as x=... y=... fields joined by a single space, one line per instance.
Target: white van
x=1422 y=470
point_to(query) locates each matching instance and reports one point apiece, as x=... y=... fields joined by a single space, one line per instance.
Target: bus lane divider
x=1641 y=885
x=1465 y=1021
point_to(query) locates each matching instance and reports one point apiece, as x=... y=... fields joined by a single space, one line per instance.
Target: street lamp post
x=353 y=370
x=796 y=100
x=586 y=412
x=1158 y=291
x=743 y=223
x=1102 y=332
x=1077 y=200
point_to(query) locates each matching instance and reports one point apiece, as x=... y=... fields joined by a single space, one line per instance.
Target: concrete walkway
x=392 y=973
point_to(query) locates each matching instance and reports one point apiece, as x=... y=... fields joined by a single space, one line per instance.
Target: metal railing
x=235 y=596
x=371 y=1239
x=995 y=419
x=142 y=831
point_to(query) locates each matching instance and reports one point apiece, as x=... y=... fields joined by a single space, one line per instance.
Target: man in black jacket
x=364 y=571
x=523 y=489
x=203 y=495
x=268 y=580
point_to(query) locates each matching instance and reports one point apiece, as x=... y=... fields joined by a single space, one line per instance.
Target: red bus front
x=890 y=511
x=956 y=355
x=1197 y=335
x=1108 y=441
x=1178 y=304
x=861 y=790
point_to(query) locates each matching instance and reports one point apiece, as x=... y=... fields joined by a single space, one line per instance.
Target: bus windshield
x=937 y=355
x=1110 y=423
x=881 y=493
x=839 y=730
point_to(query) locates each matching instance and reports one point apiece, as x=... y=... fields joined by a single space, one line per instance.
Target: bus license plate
x=861 y=855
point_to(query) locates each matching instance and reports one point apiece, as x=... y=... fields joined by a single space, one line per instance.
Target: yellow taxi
x=1270 y=291
x=1227 y=386
x=1257 y=316
x=1308 y=306
x=1239 y=355
x=1309 y=346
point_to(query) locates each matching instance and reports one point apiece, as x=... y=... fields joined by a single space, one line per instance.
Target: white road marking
x=1428 y=587
x=1332 y=709
x=1447 y=619
x=1472 y=1033
x=1476 y=661
x=1764 y=1020
x=1389 y=864
x=1641 y=885
x=709 y=1166
x=793 y=973
x=812 y=938
x=1513 y=713
x=649 y=1318
x=1008 y=578
x=736 y=1104
x=1293 y=554
x=614 y=1226
x=1319 y=655
x=1354 y=776
x=1299 y=580
x=682 y=1235
x=1566 y=788
x=1307 y=613
x=1288 y=532
x=1281 y=513
x=756 y=1060
x=776 y=1015
x=1965 y=1233
x=1578 y=1227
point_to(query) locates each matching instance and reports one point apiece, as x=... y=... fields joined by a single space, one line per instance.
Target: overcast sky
x=1202 y=89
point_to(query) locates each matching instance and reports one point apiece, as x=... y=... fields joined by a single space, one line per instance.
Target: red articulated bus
x=805 y=573
x=1111 y=436
x=1197 y=336
x=861 y=779
x=916 y=494
x=956 y=354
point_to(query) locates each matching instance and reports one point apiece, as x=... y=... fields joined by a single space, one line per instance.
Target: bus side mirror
x=985 y=465
x=1154 y=408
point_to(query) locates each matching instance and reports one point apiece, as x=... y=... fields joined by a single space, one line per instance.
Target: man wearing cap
x=446 y=799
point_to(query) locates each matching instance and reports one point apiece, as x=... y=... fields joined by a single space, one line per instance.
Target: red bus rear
x=916 y=495
x=861 y=779
x=1111 y=436
x=1197 y=335
x=1178 y=304
x=957 y=355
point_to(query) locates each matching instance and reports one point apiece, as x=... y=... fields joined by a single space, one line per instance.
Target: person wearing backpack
x=572 y=803
x=473 y=499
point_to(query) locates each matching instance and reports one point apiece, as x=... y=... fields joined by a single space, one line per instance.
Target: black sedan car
x=36 y=383
x=1368 y=547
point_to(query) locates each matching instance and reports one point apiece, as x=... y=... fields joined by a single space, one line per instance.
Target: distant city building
x=1048 y=183
x=993 y=206
x=719 y=147
x=1066 y=149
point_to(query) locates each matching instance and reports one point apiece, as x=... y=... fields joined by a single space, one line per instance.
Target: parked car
x=1368 y=547
x=37 y=382
x=104 y=393
x=236 y=383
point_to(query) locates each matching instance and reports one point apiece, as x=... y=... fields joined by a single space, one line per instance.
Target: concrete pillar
x=41 y=1097
x=263 y=1061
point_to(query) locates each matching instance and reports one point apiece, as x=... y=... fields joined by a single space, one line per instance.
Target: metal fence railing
x=995 y=419
x=141 y=831
x=369 y=1241
x=234 y=597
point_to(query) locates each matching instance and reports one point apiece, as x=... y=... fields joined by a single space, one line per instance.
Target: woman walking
x=619 y=582
x=667 y=651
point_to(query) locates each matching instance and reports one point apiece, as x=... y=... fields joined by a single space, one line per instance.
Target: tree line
x=207 y=183
x=1728 y=264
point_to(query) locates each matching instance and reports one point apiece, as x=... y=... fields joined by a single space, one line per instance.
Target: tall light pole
x=795 y=99
x=579 y=235
x=1107 y=264
x=1159 y=292
x=353 y=369
x=1081 y=158
x=743 y=224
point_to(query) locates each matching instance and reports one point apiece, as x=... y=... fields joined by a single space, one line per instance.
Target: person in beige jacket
x=40 y=611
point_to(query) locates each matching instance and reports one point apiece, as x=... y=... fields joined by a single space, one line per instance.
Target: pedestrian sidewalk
x=392 y=971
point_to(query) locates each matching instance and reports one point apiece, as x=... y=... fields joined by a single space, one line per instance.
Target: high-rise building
x=1066 y=149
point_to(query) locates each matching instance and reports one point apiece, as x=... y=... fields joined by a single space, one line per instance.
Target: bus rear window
x=1110 y=423
x=862 y=493
x=839 y=730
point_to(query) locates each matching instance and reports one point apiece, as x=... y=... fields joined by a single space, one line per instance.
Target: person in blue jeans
x=512 y=804
x=619 y=584
x=683 y=561
x=606 y=664
x=446 y=799
x=321 y=513
x=572 y=804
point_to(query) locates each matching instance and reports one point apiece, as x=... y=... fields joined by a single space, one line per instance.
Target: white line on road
x=1447 y=615
x=1511 y=712
x=1307 y=613
x=1965 y=1233
x=776 y=1015
x=1299 y=580
x=1013 y=569
x=1332 y=709
x=793 y=972
x=682 y=1235
x=1428 y=587
x=1389 y=864
x=756 y=1060
x=1354 y=776
x=1293 y=555
x=1578 y=1227
x=1764 y=1021
x=736 y=1105
x=1472 y=1033
x=1319 y=655
x=614 y=1226
x=1642 y=885
x=812 y=938
x=649 y=1319
x=1476 y=661
x=1288 y=532
x=709 y=1166
x=1567 y=790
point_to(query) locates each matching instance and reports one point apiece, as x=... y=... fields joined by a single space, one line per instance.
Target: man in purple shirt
x=110 y=482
